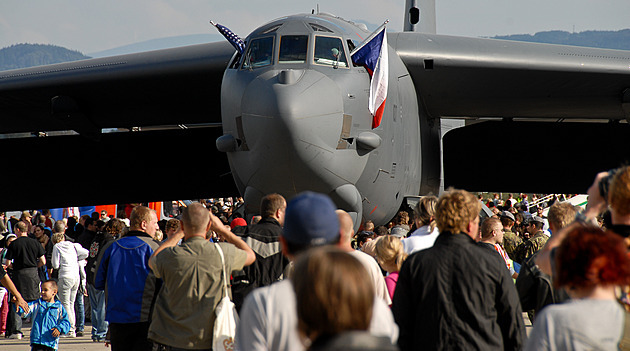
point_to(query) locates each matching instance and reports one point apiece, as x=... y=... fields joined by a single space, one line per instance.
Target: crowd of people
x=443 y=275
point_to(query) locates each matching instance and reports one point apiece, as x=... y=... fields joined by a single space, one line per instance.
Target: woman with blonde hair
x=390 y=255
x=65 y=257
x=427 y=232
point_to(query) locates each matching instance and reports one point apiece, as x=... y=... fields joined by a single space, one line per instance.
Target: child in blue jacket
x=49 y=319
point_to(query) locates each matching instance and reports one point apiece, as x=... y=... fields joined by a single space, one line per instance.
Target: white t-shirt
x=422 y=238
x=268 y=320
x=380 y=288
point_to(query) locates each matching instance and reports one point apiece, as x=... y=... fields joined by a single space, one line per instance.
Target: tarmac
x=70 y=344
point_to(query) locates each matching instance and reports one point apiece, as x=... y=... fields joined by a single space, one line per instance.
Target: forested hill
x=28 y=55
x=596 y=39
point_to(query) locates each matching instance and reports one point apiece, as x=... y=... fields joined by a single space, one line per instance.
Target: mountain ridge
x=618 y=40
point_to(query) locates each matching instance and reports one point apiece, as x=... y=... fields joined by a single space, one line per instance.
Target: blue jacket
x=45 y=316
x=129 y=283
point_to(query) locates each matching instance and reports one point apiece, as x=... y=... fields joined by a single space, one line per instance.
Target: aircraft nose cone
x=291 y=121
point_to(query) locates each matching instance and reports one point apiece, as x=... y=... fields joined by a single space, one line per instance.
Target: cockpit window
x=272 y=29
x=293 y=49
x=318 y=28
x=329 y=51
x=235 y=61
x=351 y=45
x=259 y=53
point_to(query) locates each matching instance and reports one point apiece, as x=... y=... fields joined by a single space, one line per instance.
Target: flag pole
x=370 y=37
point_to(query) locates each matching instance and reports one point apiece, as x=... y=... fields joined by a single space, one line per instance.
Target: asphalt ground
x=71 y=344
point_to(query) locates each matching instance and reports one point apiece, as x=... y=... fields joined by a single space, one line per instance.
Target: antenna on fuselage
x=420 y=16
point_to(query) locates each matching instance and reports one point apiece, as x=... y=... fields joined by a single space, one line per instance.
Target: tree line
x=28 y=55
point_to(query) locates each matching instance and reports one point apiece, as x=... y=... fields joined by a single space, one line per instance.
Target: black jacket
x=535 y=288
x=101 y=240
x=457 y=296
x=270 y=263
x=86 y=238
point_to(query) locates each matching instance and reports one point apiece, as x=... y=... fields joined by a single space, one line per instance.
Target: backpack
x=535 y=288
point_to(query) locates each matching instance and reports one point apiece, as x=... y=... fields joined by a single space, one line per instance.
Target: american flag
x=234 y=39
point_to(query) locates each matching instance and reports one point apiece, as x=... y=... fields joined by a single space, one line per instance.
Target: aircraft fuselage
x=295 y=118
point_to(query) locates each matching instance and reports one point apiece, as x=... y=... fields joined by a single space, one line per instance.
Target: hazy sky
x=90 y=26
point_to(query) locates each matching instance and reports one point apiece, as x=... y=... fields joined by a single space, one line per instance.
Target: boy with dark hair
x=49 y=319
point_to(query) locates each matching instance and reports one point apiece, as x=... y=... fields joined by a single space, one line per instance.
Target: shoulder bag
x=226 y=316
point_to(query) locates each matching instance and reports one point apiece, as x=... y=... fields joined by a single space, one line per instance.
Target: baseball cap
x=310 y=219
x=238 y=222
x=507 y=214
x=536 y=219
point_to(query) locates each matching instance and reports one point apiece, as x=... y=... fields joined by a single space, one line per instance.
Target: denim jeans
x=97 y=301
x=79 y=311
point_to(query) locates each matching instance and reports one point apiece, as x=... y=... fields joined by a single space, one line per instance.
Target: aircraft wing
x=473 y=77
x=174 y=87
x=522 y=86
x=165 y=87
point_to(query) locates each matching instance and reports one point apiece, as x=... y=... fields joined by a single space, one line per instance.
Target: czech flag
x=372 y=54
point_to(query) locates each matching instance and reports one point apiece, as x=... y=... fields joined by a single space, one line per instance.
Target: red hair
x=588 y=257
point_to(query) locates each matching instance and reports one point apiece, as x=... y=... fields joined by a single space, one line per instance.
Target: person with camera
x=609 y=190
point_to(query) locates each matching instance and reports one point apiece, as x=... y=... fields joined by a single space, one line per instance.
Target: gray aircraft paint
x=308 y=131
x=420 y=16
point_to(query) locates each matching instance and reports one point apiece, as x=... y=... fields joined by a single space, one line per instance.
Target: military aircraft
x=286 y=117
